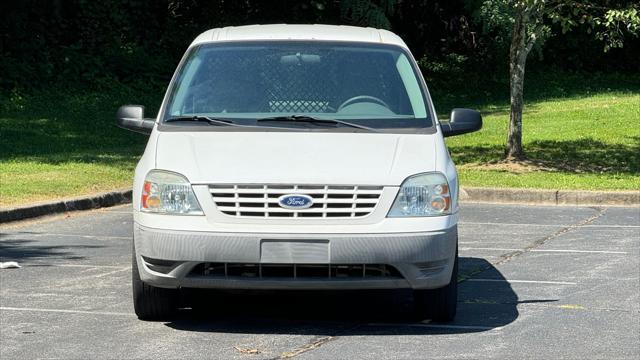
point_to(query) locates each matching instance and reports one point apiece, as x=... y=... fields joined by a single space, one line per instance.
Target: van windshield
x=371 y=85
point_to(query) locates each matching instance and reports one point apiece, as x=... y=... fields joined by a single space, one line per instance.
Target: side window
x=183 y=85
x=411 y=85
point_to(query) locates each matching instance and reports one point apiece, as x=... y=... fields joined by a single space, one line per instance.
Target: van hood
x=295 y=157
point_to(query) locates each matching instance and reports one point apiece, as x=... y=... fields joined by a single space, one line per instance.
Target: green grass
x=579 y=133
x=60 y=143
x=590 y=142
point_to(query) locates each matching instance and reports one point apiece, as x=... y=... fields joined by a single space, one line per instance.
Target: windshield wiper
x=312 y=120
x=201 y=118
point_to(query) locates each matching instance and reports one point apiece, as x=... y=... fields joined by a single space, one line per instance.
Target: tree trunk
x=517 y=61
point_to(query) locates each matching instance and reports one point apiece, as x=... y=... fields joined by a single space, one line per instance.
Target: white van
x=296 y=157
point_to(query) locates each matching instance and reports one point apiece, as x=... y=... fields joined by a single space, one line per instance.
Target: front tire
x=150 y=302
x=438 y=304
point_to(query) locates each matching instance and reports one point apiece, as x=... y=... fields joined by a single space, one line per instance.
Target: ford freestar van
x=296 y=157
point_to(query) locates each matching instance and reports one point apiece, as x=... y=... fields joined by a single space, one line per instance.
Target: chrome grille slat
x=306 y=191
x=329 y=201
x=281 y=210
x=315 y=201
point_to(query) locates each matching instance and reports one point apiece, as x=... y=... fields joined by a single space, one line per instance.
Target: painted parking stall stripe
x=547 y=225
x=524 y=281
x=99 y=237
x=439 y=326
x=546 y=250
x=66 y=311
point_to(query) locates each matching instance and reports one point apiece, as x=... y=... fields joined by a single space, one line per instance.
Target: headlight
x=422 y=195
x=165 y=192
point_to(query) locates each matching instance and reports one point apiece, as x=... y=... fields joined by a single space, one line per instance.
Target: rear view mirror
x=299 y=59
x=131 y=117
x=462 y=121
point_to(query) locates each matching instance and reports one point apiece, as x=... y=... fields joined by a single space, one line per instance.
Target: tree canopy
x=529 y=23
x=87 y=43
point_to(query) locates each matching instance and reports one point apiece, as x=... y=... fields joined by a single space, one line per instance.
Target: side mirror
x=462 y=121
x=131 y=117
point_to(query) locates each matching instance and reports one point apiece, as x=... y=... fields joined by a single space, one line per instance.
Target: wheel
x=150 y=302
x=438 y=304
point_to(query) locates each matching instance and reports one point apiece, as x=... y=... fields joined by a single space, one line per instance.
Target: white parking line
x=609 y=226
x=6 y=308
x=440 y=326
x=580 y=251
x=70 y=235
x=546 y=250
x=78 y=265
x=112 y=272
x=483 y=248
x=509 y=224
x=524 y=281
x=546 y=225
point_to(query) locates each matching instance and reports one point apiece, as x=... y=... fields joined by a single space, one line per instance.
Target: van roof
x=299 y=32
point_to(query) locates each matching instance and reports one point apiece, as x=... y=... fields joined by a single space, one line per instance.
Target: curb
x=467 y=195
x=74 y=204
x=550 y=197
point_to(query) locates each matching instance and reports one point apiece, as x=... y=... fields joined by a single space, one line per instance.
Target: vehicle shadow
x=482 y=306
x=20 y=250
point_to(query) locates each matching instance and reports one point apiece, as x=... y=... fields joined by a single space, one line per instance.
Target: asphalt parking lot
x=536 y=282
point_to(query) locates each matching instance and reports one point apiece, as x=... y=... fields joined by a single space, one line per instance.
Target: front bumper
x=424 y=260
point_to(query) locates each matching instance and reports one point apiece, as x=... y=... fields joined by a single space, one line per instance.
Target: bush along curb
x=550 y=197
x=80 y=203
x=467 y=195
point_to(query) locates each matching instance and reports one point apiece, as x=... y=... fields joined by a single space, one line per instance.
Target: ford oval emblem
x=295 y=201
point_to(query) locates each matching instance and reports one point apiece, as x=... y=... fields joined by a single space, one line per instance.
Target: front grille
x=329 y=201
x=294 y=271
